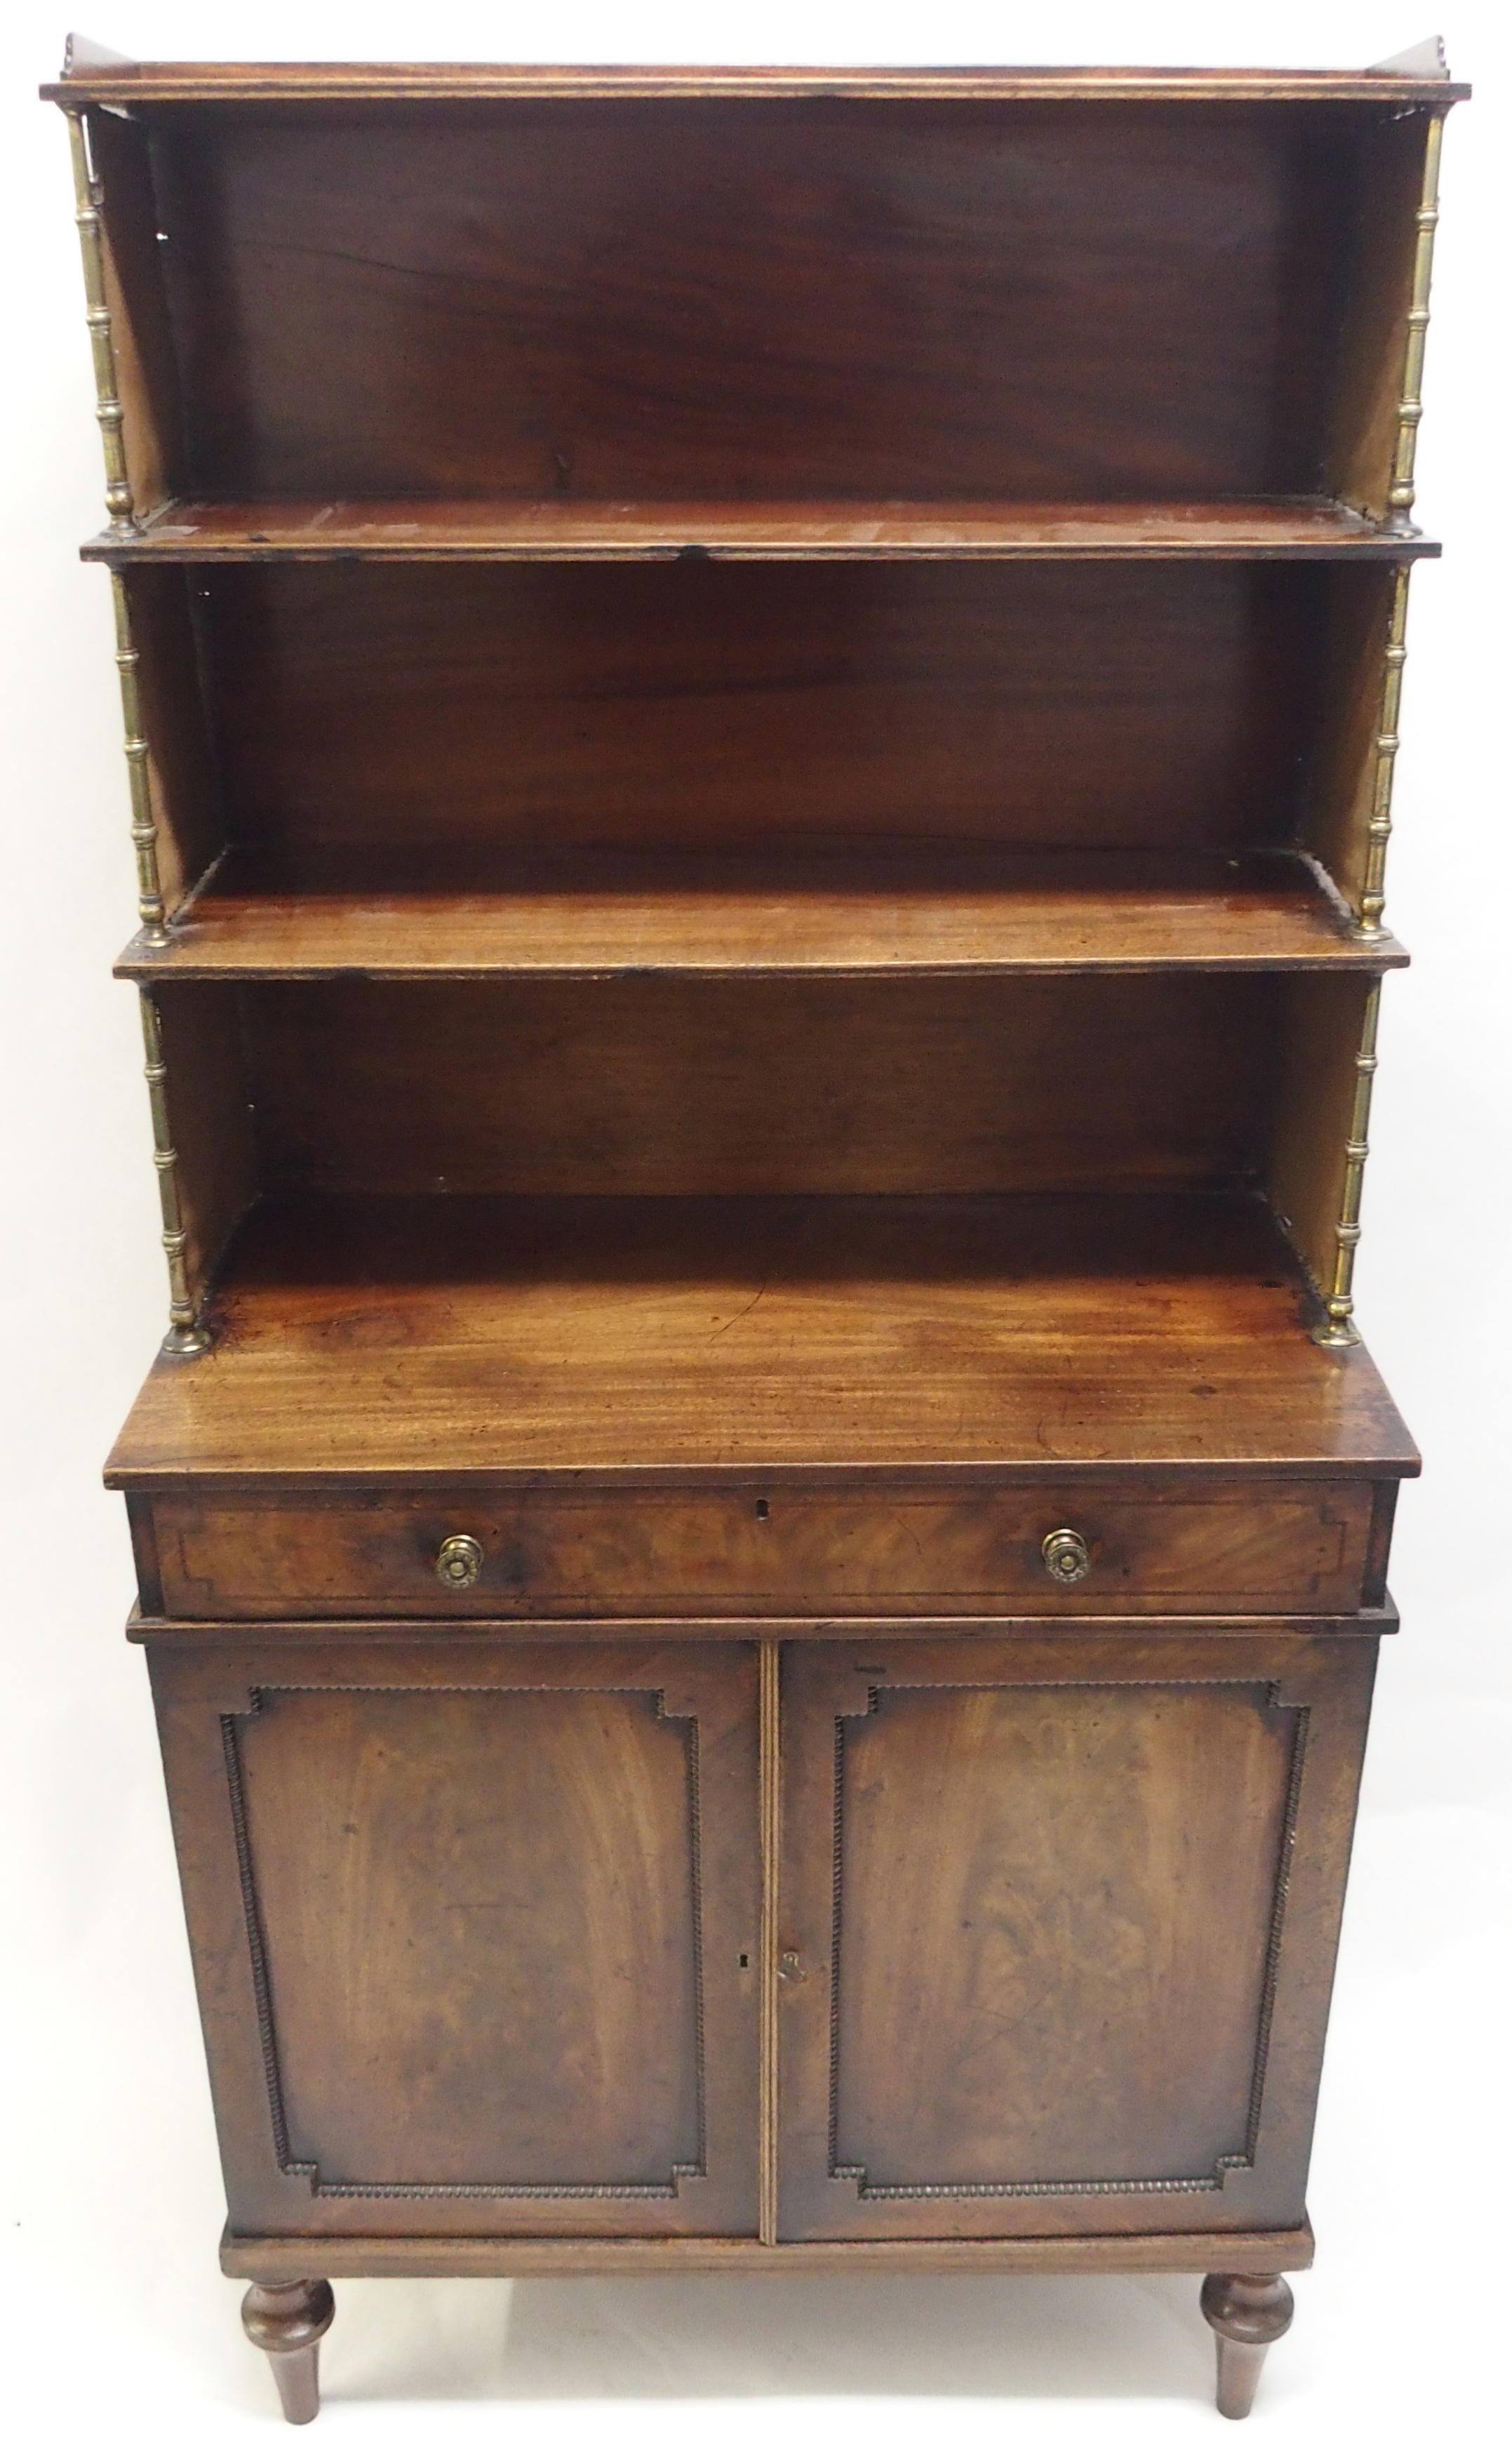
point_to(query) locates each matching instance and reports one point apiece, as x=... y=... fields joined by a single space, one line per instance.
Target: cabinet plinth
x=762 y=1530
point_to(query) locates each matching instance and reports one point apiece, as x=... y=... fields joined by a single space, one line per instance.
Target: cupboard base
x=1247 y=2310
x=268 y=2257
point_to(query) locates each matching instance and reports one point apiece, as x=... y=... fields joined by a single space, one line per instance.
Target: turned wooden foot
x=1247 y=2313
x=286 y=2321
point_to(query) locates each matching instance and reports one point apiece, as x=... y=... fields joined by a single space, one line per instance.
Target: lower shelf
x=427 y=1337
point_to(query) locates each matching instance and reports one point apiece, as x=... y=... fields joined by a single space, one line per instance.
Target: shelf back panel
x=814 y=297
x=645 y=1087
x=498 y=707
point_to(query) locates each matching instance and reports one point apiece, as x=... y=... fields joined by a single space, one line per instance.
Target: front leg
x=1247 y=2313
x=286 y=2321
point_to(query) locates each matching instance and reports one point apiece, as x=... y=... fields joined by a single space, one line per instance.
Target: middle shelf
x=423 y=529
x=390 y=914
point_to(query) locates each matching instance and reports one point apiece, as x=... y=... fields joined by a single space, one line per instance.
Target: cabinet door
x=476 y=1929
x=1057 y=1928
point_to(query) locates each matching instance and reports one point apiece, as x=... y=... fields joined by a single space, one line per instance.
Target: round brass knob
x=1067 y=1557
x=459 y=1563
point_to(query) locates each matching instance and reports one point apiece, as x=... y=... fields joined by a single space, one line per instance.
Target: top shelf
x=508 y=530
x=438 y=81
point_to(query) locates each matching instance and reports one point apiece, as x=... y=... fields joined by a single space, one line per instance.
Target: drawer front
x=737 y=1550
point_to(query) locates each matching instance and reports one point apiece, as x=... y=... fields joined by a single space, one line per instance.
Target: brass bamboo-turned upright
x=185 y=1338
x=1401 y=495
x=108 y=410
x=761 y=904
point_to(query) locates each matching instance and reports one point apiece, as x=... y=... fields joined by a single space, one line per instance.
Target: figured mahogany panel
x=1054 y=1910
x=662 y=1087
x=1057 y=1934
x=826 y=296
x=475 y=1937
x=480 y=1908
x=698 y=703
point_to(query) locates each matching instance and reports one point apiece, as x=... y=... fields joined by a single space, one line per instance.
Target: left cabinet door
x=475 y=1928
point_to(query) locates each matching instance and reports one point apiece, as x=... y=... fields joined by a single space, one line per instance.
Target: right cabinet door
x=1058 y=1915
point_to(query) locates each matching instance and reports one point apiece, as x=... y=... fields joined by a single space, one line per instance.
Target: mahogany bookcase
x=760 y=709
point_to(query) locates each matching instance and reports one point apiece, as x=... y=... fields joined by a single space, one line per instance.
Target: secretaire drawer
x=741 y=1549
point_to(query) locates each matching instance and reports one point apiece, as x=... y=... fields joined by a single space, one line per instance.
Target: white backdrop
x=122 y=2332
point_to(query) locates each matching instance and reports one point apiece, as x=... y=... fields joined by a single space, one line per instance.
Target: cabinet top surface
x=432 y=1338
x=438 y=81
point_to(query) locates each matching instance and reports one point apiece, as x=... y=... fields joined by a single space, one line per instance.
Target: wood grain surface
x=128 y=81
x=1085 y=1875
x=536 y=709
x=273 y=2256
x=402 y=530
x=1058 y=1937
x=717 y=1550
x=422 y=1339
x=653 y=1087
x=822 y=298
x=474 y=1948
x=479 y=1909
x=831 y=910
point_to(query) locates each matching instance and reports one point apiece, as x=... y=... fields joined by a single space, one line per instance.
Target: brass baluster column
x=185 y=1338
x=1400 y=495
x=1337 y=1331
x=108 y=411
x=1378 y=829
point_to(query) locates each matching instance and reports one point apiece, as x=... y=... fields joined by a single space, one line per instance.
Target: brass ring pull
x=459 y=1563
x=1067 y=1557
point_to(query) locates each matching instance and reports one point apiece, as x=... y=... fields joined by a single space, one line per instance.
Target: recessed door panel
x=478 y=1912
x=489 y=1928
x=1040 y=1927
x=1055 y=1911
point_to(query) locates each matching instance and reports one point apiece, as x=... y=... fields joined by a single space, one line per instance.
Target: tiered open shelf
x=683 y=658
x=910 y=911
x=415 y=529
